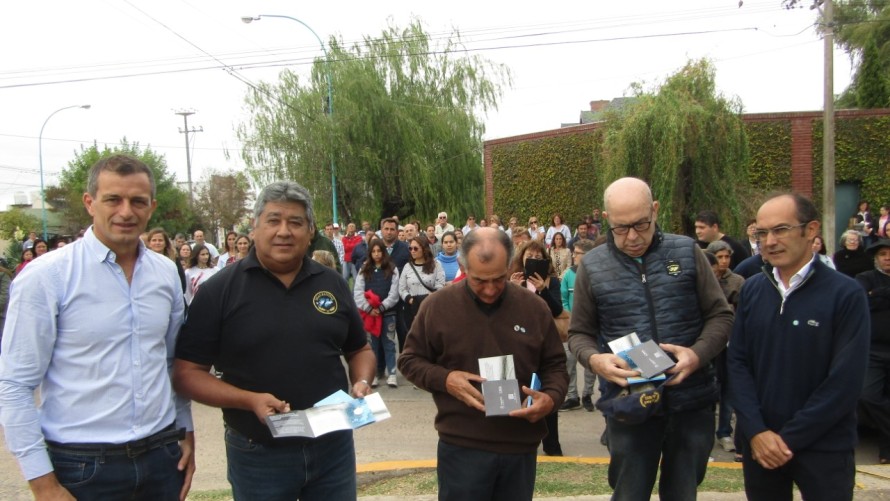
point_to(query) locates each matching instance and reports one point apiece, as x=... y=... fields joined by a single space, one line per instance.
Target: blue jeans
x=680 y=441
x=149 y=476
x=321 y=469
x=348 y=271
x=388 y=339
x=469 y=474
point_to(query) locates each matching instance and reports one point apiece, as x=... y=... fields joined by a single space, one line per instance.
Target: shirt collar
x=487 y=308
x=796 y=279
x=101 y=252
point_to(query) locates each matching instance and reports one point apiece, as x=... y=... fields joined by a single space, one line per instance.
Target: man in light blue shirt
x=94 y=325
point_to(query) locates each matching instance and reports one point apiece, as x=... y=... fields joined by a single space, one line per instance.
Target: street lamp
x=248 y=20
x=40 y=156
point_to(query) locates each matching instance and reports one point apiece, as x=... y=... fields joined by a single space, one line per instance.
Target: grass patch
x=215 y=495
x=553 y=480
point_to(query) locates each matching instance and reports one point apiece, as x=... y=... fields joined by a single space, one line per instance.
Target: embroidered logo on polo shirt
x=325 y=302
x=673 y=268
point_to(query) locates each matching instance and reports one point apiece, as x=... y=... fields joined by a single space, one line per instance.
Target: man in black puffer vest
x=661 y=287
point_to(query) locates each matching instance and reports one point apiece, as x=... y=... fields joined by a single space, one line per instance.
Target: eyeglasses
x=443 y=217
x=639 y=226
x=579 y=253
x=778 y=232
x=413 y=249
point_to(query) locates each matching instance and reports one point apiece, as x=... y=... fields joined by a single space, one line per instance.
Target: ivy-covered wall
x=861 y=155
x=545 y=176
x=555 y=171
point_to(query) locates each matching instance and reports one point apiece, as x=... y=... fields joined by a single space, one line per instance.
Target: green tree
x=871 y=84
x=404 y=131
x=15 y=220
x=222 y=199
x=688 y=142
x=172 y=213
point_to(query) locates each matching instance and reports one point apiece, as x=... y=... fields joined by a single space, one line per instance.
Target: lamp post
x=248 y=20
x=40 y=156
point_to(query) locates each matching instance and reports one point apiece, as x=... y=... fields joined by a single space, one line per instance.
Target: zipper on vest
x=642 y=268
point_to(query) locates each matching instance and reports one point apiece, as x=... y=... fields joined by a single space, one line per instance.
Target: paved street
x=407 y=436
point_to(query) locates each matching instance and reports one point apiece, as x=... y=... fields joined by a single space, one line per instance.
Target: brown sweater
x=452 y=332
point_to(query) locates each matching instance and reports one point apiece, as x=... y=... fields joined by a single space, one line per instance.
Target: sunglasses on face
x=413 y=249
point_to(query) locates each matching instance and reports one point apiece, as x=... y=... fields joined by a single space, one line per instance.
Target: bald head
x=631 y=214
x=486 y=244
x=627 y=190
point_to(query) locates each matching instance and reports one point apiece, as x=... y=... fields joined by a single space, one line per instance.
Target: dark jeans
x=551 y=439
x=724 y=411
x=681 y=442
x=385 y=343
x=322 y=469
x=471 y=474
x=150 y=476
x=875 y=401
x=820 y=476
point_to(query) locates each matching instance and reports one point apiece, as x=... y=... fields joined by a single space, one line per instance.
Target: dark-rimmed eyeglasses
x=639 y=226
x=779 y=231
x=412 y=249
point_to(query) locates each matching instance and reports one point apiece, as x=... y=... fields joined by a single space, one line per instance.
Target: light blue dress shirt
x=101 y=350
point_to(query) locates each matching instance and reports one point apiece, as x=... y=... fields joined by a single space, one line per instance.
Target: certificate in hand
x=336 y=412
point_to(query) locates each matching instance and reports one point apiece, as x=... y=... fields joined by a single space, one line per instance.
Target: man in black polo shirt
x=275 y=324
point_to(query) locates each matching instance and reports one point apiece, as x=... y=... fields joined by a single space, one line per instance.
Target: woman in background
x=819 y=249
x=184 y=254
x=448 y=256
x=40 y=248
x=547 y=288
x=27 y=257
x=560 y=254
x=160 y=243
x=199 y=271
x=228 y=256
x=557 y=226
x=420 y=277
x=380 y=277
x=851 y=259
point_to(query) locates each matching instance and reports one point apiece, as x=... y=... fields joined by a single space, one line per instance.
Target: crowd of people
x=766 y=328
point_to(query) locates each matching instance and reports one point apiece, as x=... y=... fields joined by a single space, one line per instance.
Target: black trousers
x=820 y=476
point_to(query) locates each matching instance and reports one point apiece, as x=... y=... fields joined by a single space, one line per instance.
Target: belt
x=131 y=449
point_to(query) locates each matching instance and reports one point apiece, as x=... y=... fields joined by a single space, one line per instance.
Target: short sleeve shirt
x=267 y=338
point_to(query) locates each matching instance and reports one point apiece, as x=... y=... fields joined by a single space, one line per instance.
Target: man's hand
x=361 y=389
x=187 y=463
x=266 y=404
x=768 y=449
x=687 y=362
x=47 y=488
x=541 y=406
x=458 y=384
x=612 y=367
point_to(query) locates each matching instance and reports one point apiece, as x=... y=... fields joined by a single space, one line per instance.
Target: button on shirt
x=100 y=349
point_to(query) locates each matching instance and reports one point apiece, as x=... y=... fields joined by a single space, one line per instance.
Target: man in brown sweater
x=483 y=457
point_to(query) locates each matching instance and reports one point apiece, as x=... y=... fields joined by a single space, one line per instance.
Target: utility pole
x=828 y=176
x=188 y=154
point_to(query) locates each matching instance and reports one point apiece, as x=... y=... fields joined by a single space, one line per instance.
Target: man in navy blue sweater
x=797 y=360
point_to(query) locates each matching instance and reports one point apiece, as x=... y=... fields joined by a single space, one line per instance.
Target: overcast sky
x=137 y=62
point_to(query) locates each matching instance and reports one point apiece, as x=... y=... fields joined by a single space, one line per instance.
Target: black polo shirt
x=267 y=338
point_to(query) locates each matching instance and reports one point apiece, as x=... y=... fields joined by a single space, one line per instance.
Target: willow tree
x=404 y=131
x=688 y=142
